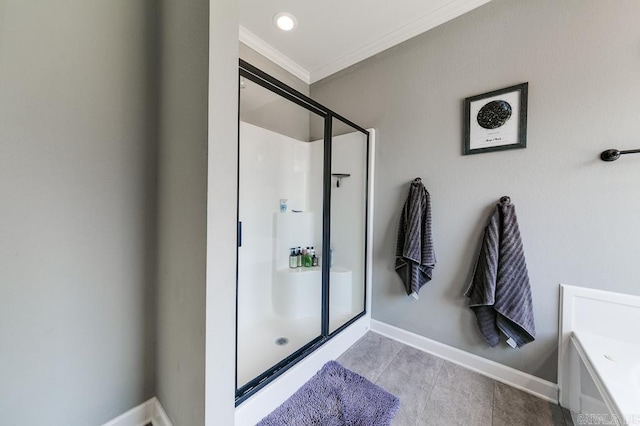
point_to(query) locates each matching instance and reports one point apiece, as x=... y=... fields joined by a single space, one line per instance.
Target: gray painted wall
x=77 y=184
x=270 y=111
x=578 y=215
x=184 y=33
x=274 y=70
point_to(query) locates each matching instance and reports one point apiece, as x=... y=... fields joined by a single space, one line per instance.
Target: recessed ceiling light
x=285 y=21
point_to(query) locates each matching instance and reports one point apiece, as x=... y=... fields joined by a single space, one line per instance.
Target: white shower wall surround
x=281 y=167
x=348 y=208
x=270 y=294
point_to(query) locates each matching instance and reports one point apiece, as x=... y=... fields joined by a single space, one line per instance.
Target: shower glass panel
x=348 y=247
x=303 y=180
x=280 y=210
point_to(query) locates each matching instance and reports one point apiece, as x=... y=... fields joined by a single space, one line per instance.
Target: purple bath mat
x=336 y=396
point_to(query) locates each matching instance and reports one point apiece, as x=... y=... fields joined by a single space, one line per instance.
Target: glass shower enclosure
x=303 y=180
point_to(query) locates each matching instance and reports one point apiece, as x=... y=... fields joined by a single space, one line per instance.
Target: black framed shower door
x=332 y=124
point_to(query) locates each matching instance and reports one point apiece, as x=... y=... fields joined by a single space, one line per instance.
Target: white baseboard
x=507 y=375
x=150 y=411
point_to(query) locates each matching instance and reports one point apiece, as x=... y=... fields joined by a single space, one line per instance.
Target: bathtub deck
x=616 y=366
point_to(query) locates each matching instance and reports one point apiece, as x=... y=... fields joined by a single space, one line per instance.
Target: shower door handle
x=239 y=234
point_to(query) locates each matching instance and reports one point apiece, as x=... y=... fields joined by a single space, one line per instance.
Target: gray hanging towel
x=415 y=256
x=499 y=293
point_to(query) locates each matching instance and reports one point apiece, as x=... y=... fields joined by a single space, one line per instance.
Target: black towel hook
x=417 y=180
x=505 y=200
x=614 y=154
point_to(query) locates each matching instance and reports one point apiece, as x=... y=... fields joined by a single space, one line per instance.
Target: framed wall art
x=496 y=121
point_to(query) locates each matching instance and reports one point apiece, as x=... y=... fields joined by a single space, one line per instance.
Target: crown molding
x=273 y=54
x=437 y=17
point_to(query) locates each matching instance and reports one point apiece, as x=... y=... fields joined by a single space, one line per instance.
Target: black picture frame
x=496 y=121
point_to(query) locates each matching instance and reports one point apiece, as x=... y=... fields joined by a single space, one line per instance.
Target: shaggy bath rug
x=336 y=396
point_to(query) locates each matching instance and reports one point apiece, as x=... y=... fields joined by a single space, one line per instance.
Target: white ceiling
x=334 y=34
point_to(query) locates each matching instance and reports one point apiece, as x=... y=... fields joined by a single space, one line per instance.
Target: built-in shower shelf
x=300 y=270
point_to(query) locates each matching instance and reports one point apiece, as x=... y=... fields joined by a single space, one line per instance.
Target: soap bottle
x=298 y=257
x=314 y=259
x=311 y=253
x=306 y=258
x=293 y=259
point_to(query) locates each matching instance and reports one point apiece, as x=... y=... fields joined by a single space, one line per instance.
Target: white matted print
x=496 y=121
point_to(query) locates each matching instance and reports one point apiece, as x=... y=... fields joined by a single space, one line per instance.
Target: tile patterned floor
x=435 y=392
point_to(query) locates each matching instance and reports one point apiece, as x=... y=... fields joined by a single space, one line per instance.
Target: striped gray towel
x=415 y=255
x=500 y=294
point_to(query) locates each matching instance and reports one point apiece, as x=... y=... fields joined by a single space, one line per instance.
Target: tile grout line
x=493 y=402
x=564 y=419
x=387 y=366
x=435 y=381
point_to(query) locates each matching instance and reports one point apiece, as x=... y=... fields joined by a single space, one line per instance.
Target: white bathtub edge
x=576 y=315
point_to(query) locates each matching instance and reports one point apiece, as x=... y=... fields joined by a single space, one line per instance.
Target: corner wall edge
x=150 y=411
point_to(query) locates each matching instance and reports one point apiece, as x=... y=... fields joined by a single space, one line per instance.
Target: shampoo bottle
x=293 y=259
